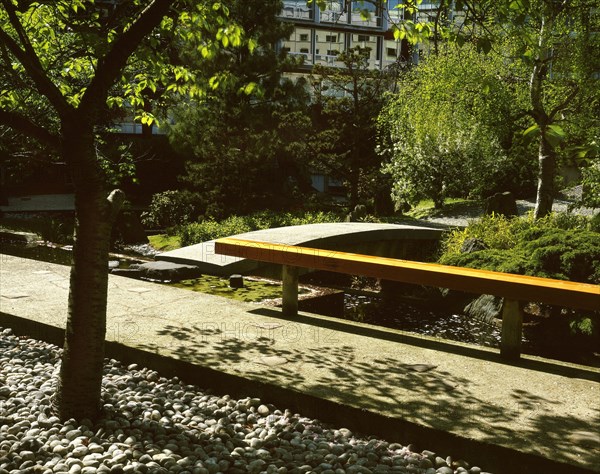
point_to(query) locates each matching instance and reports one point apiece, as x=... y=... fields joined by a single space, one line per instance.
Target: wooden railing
x=516 y=289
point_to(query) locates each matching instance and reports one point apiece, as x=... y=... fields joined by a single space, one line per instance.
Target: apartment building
x=320 y=35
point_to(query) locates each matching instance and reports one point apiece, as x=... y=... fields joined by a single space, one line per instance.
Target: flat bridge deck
x=536 y=415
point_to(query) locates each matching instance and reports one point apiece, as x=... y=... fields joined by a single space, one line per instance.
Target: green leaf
x=399 y=34
x=555 y=135
x=484 y=45
x=531 y=133
x=557 y=131
x=249 y=88
x=252 y=44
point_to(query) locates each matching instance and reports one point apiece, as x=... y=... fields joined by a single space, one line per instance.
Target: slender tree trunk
x=546 y=174
x=546 y=155
x=79 y=383
x=354 y=177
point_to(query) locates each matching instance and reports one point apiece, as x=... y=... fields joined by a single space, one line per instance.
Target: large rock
x=502 y=204
x=473 y=244
x=167 y=271
x=128 y=229
x=485 y=308
x=19 y=237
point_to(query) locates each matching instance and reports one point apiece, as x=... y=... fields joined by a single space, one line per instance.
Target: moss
x=165 y=242
x=254 y=291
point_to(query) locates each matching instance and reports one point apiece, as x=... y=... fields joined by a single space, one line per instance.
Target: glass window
x=299 y=44
x=372 y=42
x=296 y=9
x=395 y=14
x=334 y=12
x=333 y=43
x=366 y=13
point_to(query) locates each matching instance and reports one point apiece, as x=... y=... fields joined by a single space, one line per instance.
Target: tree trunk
x=546 y=155
x=79 y=383
x=546 y=173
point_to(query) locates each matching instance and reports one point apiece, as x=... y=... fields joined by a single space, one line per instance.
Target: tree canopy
x=239 y=136
x=449 y=130
x=557 y=41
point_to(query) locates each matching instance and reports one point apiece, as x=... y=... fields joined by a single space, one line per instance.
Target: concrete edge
x=499 y=459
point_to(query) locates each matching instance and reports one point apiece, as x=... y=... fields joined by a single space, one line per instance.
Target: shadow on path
x=422 y=394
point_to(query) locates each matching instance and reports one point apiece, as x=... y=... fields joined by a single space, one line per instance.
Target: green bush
x=170 y=209
x=560 y=246
x=210 y=229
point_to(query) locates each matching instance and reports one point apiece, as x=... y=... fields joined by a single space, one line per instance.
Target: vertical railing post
x=512 y=328
x=289 y=278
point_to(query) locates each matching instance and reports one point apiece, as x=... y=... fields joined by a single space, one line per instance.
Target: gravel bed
x=156 y=425
x=461 y=217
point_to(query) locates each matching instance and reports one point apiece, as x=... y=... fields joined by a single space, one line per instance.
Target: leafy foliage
x=560 y=246
x=444 y=135
x=211 y=229
x=169 y=209
x=347 y=101
x=557 y=44
x=246 y=135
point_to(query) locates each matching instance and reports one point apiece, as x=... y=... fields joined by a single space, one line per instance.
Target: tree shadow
x=309 y=359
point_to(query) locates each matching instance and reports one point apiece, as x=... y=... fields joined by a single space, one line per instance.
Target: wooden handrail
x=517 y=287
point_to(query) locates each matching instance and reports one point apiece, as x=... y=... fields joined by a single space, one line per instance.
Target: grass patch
x=426 y=209
x=165 y=242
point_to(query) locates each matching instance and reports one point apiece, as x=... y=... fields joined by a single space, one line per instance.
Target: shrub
x=561 y=246
x=210 y=229
x=169 y=209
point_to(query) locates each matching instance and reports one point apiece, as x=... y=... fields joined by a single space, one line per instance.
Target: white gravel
x=156 y=425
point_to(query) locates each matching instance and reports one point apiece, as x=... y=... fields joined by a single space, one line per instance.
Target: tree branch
x=30 y=61
x=436 y=25
x=26 y=127
x=563 y=105
x=123 y=47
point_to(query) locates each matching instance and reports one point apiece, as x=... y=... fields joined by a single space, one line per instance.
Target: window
x=362 y=38
x=304 y=50
x=391 y=51
x=304 y=37
x=331 y=38
x=332 y=52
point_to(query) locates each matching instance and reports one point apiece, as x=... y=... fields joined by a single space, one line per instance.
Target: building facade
x=319 y=36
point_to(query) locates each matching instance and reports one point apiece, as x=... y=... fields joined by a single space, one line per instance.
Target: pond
x=59 y=254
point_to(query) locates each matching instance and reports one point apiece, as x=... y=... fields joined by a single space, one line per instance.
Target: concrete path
x=349 y=236
x=536 y=416
x=40 y=202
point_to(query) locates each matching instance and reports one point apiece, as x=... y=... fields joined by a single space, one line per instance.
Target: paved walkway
x=454 y=398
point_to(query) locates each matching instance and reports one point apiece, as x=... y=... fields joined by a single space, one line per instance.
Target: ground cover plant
x=559 y=246
x=211 y=229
